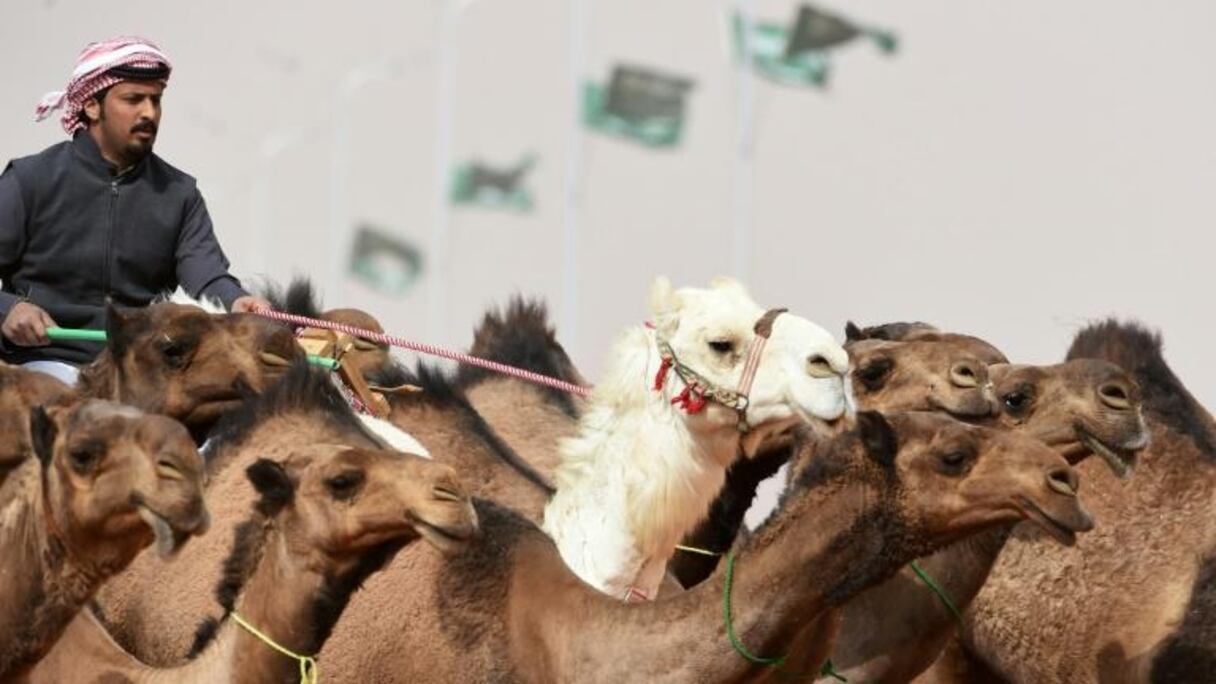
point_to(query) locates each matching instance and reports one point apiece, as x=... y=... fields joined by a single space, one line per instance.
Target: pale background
x=1017 y=169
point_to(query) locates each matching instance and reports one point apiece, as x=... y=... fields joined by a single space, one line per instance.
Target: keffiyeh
x=99 y=66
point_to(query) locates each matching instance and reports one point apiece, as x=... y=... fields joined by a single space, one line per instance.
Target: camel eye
x=1016 y=402
x=954 y=462
x=722 y=346
x=176 y=353
x=344 y=486
x=871 y=375
x=84 y=457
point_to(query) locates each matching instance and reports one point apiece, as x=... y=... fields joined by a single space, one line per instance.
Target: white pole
x=437 y=260
x=568 y=318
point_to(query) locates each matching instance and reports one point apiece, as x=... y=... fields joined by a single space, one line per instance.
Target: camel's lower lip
x=446 y=540
x=1122 y=467
x=1037 y=515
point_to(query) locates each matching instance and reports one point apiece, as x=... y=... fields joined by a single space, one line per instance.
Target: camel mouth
x=212 y=409
x=976 y=407
x=1121 y=464
x=448 y=540
x=168 y=538
x=1060 y=531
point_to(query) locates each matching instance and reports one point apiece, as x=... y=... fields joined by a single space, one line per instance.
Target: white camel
x=676 y=406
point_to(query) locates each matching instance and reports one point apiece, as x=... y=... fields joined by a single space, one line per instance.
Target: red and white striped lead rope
x=423 y=348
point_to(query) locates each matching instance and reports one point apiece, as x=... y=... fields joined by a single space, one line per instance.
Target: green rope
x=826 y=671
x=100 y=336
x=937 y=589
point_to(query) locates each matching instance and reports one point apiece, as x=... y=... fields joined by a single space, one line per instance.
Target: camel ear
x=118 y=329
x=852 y=333
x=271 y=480
x=663 y=297
x=42 y=434
x=878 y=438
x=728 y=283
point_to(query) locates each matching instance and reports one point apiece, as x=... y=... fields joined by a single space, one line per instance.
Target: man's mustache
x=144 y=127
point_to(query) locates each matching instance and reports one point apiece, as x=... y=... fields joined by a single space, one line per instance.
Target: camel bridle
x=699 y=391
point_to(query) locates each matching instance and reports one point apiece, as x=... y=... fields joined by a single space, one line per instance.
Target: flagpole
x=568 y=318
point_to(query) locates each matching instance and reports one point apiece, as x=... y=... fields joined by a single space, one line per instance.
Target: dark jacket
x=72 y=233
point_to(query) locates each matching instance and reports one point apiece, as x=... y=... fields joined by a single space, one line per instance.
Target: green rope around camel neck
x=826 y=671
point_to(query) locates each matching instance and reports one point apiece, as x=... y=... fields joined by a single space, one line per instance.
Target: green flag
x=799 y=54
x=475 y=183
x=638 y=103
x=385 y=263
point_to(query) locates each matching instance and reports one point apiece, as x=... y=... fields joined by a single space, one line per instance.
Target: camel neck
x=835 y=540
x=42 y=585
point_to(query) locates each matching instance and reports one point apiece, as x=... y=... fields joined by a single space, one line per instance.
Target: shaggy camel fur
x=885 y=376
x=641 y=473
x=20 y=391
x=892 y=632
x=508 y=608
x=183 y=362
x=328 y=517
x=1130 y=582
x=107 y=481
x=533 y=419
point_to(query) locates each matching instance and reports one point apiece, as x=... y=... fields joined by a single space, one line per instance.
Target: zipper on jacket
x=105 y=278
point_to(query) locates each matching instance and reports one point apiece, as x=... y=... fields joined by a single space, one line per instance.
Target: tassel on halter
x=660 y=378
x=691 y=400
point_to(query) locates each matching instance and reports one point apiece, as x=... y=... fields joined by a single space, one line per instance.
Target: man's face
x=128 y=118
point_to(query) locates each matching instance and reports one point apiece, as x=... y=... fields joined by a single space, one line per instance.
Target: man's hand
x=248 y=303
x=26 y=325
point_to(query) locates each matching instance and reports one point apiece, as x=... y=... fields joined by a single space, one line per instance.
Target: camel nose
x=1063 y=480
x=1116 y=395
x=449 y=489
x=818 y=366
x=965 y=374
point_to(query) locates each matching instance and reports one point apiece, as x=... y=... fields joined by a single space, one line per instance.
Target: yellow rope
x=309 y=673
x=693 y=549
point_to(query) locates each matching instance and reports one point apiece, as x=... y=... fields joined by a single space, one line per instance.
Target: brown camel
x=508 y=609
x=152 y=617
x=328 y=517
x=893 y=631
x=907 y=332
x=20 y=391
x=108 y=480
x=1118 y=607
x=530 y=417
x=366 y=357
x=441 y=415
x=183 y=362
x=152 y=607
x=886 y=376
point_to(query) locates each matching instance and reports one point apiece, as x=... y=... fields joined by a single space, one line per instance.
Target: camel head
x=801 y=371
x=116 y=478
x=365 y=357
x=343 y=502
x=951 y=479
x=1079 y=407
x=921 y=375
x=20 y=391
x=183 y=362
x=923 y=332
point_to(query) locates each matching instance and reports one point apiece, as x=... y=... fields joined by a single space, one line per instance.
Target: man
x=101 y=216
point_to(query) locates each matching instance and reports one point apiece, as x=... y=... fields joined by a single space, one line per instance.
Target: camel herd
x=206 y=506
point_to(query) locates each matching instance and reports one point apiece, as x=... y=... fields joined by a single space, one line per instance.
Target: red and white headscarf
x=91 y=75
